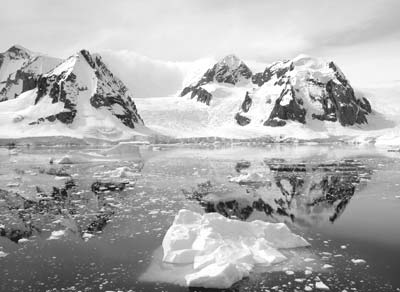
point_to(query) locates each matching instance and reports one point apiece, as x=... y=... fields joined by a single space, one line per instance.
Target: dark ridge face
x=88 y=58
x=221 y=72
x=341 y=104
x=29 y=82
x=293 y=111
x=246 y=103
x=103 y=98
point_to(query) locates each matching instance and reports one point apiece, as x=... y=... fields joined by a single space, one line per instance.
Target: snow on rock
x=28 y=67
x=302 y=90
x=222 y=251
x=230 y=70
x=10 y=61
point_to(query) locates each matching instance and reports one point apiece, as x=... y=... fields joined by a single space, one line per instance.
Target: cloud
x=146 y=77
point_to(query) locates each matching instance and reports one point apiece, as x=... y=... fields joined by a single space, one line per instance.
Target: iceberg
x=220 y=251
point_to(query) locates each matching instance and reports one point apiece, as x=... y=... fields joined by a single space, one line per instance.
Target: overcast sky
x=362 y=36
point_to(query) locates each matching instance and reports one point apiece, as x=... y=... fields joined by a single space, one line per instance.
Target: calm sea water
x=344 y=200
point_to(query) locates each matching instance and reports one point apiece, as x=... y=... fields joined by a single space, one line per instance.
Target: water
x=114 y=230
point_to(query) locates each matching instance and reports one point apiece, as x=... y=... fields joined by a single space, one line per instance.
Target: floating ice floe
x=73 y=159
x=221 y=251
x=121 y=172
x=321 y=286
x=57 y=234
x=358 y=261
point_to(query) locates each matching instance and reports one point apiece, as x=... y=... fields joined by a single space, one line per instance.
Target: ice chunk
x=321 y=286
x=222 y=251
x=358 y=261
x=57 y=234
x=3 y=254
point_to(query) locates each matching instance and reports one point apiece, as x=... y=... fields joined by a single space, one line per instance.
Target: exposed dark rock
x=292 y=111
x=99 y=223
x=201 y=95
x=246 y=102
x=111 y=92
x=28 y=80
x=88 y=58
x=242 y=120
x=278 y=69
x=341 y=104
x=240 y=165
x=101 y=187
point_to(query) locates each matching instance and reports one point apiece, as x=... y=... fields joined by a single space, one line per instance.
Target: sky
x=362 y=36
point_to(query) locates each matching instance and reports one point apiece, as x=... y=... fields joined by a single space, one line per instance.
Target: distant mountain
x=20 y=70
x=301 y=90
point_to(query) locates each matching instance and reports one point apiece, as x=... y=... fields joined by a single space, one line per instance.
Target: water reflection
x=301 y=193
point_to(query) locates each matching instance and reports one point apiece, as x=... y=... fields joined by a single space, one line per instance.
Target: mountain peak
x=232 y=61
x=19 y=51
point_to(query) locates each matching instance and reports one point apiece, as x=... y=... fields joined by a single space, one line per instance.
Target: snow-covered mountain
x=20 y=70
x=304 y=98
x=79 y=97
x=300 y=90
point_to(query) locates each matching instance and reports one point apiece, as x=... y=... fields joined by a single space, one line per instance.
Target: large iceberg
x=221 y=251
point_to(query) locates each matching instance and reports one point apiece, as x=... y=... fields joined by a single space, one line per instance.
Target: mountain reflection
x=302 y=193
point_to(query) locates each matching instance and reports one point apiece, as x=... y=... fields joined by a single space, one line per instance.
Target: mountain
x=12 y=60
x=20 y=70
x=230 y=70
x=79 y=97
x=300 y=90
